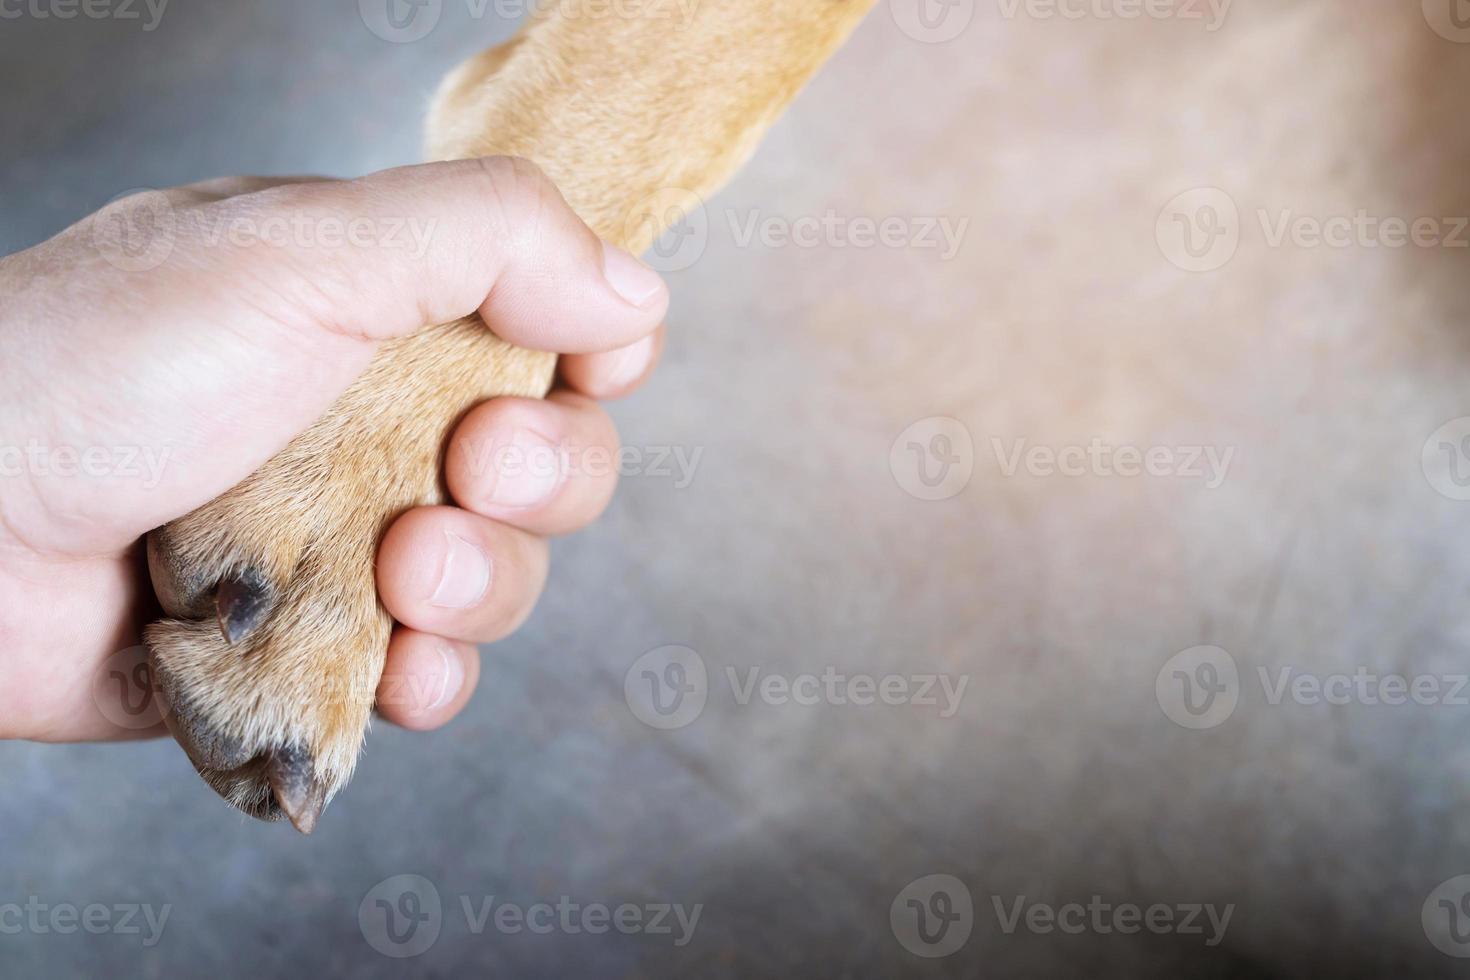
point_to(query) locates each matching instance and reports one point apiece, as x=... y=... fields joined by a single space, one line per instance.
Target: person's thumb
x=235 y=322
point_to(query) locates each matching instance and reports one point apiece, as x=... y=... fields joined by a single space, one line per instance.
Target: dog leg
x=276 y=639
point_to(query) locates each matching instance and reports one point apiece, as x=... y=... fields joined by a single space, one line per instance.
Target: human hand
x=135 y=387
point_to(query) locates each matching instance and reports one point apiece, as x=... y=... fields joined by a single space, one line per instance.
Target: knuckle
x=519 y=194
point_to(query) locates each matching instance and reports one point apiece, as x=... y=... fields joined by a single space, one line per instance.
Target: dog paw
x=270 y=659
x=269 y=662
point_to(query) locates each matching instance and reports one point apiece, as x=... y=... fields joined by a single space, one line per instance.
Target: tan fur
x=614 y=110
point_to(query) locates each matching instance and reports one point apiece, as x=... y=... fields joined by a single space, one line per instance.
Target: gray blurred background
x=810 y=380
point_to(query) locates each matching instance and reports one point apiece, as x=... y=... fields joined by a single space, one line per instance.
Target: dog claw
x=243 y=600
x=297 y=790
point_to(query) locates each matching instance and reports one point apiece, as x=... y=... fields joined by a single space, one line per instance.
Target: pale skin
x=217 y=358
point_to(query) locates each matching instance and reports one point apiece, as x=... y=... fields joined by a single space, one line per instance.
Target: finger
x=427 y=679
x=456 y=574
x=614 y=374
x=492 y=236
x=549 y=467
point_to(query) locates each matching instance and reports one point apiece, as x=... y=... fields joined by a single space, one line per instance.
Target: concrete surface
x=1333 y=831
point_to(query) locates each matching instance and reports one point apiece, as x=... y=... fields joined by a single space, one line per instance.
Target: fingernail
x=630 y=363
x=453 y=678
x=530 y=471
x=631 y=279
x=465 y=577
